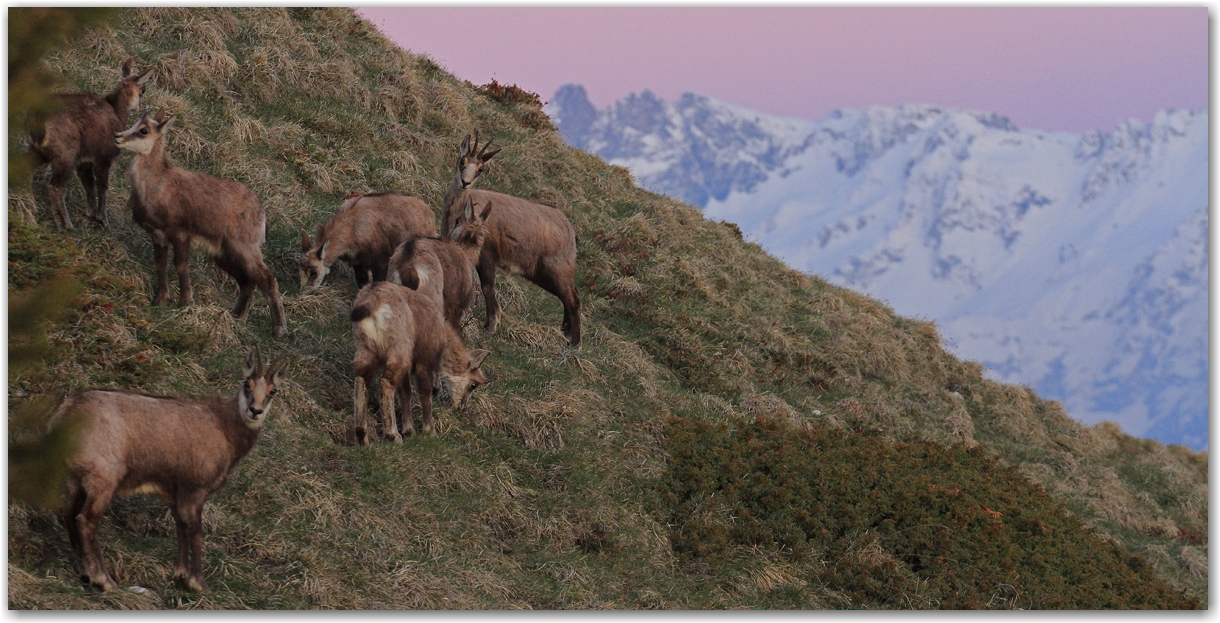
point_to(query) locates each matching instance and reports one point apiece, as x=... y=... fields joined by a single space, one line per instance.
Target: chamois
x=401 y=331
x=177 y=207
x=180 y=449
x=364 y=233
x=80 y=140
x=534 y=240
x=456 y=259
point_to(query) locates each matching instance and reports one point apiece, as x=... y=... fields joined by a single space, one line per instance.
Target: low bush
x=866 y=517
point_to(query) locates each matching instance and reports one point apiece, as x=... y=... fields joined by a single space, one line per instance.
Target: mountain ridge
x=963 y=217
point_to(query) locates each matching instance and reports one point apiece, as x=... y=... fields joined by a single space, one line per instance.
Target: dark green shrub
x=864 y=517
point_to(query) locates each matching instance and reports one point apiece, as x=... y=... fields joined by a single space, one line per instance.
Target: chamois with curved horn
x=180 y=449
x=80 y=141
x=411 y=262
x=364 y=233
x=178 y=207
x=401 y=333
x=534 y=240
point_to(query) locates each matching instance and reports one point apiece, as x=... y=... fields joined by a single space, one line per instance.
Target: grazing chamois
x=534 y=240
x=364 y=233
x=456 y=260
x=177 y=448
x=80 y=140
x=401 y=331
x=178 y=207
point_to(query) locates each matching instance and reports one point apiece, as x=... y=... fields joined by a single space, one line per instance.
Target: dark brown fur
x=178 y=207
x=401 y=332
x=80 y=141
x=364 y=233
x=180 y=449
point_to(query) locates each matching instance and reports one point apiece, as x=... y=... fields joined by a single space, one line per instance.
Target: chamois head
x=311 y=262
x=131 y=85
x=471 y=160
x=254 y=398
x=466 y=376
x=468 y=228
x=143 y=136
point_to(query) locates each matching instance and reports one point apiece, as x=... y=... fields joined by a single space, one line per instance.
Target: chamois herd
x=415 y=286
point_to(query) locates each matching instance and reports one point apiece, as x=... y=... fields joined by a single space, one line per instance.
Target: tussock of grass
x=543 y=493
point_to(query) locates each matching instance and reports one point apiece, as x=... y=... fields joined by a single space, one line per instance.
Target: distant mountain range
x=1072 y=263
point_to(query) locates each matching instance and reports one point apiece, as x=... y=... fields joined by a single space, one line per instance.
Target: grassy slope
x=543 y=493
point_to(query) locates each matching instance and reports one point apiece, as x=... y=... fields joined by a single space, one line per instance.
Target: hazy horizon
x=1048 y=68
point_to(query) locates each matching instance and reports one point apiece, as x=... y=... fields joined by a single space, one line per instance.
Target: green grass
x=546 y=492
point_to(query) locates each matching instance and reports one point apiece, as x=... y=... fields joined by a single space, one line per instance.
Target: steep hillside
x=572 y=480
x=1072 y=263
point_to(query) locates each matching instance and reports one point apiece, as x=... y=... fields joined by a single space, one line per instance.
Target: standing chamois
x=456 y=260
x=364 y=233
x=177 y=448
x=80 y=140
x=176 y=206
x=534 y=240
x=401 y=331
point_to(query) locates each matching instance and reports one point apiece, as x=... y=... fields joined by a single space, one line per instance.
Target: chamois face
x=143 y=136
x=471 y=161
x=133 y=85
x=311 y=263
x=254 y=398
x=463 y=382
x=468 y=228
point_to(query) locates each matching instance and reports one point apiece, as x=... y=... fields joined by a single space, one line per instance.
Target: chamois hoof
x=190 y=583
x=396 y=438
x=362 y=438
x=279 y=331
x=103 y=584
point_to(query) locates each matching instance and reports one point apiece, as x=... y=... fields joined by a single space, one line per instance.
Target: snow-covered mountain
x=1072 y=263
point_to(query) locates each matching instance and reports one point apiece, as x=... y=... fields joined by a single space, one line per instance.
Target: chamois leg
x=423 y=384
x=379 y=271
x=60 y=175
x=182 y=256
x=182 y=569
x=487 y=279
x=560 y=283
x=271 y=291
x=190 y=510
x=406 y=422
x=85 y=173
x=76 y=502
x=97 y=500
x=362 y=275
x=101 y=176
x=364 y=366
x=161 y=257
x=245 y=285
x=389 y=386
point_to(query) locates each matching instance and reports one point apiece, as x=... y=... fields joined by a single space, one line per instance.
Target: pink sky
x=1051 y=68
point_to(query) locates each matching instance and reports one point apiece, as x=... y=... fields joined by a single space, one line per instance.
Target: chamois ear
x=487 y=156
x=468 y=211
x=254 y=361
x=486 y=211
x=322 y=251
x=144 y=77
x=477 y=357
x=126 y=70
x=465 y=148
x=169 y=121
x=275 y=373
x=159 y=118
x=306 y=243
